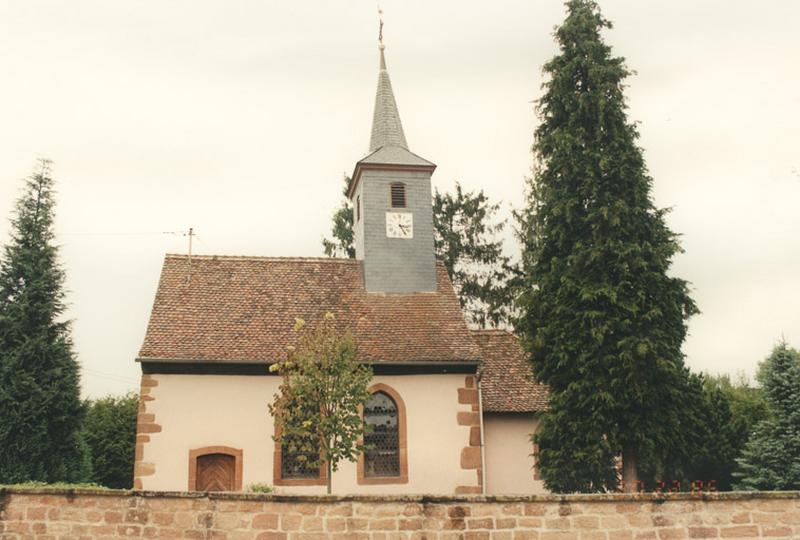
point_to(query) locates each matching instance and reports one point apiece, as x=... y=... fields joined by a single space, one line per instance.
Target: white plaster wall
x=508 y=449
x=209 y=410
x=231 y=410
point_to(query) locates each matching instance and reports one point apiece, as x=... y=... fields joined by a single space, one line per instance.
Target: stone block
x=409 y=524
x=559 y=535
x=470 y=457
x=739 y=531
x=383 y=525
x=468 y=418
x=776 y=532
x=703 y=532
x=480 y=523
x=475 y=436
x=271 y=536
x=586 y=522
x=309 y=524
x=505 y=523
x=593 y=535
x=677 y=533
x=265 y=521
x=335 y=524
x=468 y=396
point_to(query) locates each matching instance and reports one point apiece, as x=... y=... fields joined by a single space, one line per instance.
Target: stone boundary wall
x=30 y=513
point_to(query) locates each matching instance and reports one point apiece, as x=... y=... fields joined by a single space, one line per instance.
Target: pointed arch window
x=385 y=459
x=398 y=194
x=382 y=456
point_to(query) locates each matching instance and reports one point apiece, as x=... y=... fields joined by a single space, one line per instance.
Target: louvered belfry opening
x=398 y=195
x=382 y=454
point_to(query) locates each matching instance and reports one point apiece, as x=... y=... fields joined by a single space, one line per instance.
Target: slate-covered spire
x=387 y=130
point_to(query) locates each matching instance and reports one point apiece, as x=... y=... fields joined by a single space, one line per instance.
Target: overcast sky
x=239 y=118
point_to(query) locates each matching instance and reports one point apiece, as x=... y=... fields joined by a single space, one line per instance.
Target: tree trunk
x=630 y=475
x=330 y=476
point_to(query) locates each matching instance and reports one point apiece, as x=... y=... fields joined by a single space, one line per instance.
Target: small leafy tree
x=771 y=458
x=40 y=406
x=602 y=318
x=318 y=409
x=466 y=243
x=110 y=431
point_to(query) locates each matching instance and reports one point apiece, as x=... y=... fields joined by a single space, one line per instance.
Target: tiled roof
x=507 y=383
x=243 y=309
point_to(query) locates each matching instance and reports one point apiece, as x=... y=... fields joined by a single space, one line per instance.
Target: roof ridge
x=261 y=258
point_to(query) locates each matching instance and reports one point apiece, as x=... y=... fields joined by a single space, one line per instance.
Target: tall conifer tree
x=601 y=317
x=40 y=407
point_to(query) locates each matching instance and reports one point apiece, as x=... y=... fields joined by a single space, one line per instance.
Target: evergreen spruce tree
x=602 y=319
x=771 y=458
x=40 y=407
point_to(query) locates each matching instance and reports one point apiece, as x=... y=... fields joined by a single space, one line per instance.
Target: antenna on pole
x=190 y=235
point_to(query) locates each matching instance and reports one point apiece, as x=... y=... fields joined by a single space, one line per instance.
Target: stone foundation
x=95 y=514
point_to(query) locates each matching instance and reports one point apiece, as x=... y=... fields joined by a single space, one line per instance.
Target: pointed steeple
x=387 y=130
x=389 y=185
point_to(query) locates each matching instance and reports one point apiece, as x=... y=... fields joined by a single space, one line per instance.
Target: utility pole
x=189 y=275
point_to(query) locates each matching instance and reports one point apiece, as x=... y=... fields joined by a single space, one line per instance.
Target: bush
x=260 y=488
x=110 y=431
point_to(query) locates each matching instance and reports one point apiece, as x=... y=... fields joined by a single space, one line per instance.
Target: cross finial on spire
x=380 y=27
x=381 y=46
x=386 y=127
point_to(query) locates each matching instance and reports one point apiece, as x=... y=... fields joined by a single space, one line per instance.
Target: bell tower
x=392 y=210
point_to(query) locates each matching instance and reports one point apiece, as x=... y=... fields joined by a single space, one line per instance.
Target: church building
x=454 y=407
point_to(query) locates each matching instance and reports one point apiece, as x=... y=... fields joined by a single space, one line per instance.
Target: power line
x=141 y=233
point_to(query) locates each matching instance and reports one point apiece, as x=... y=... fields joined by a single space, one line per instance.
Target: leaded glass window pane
x=298 y=464
x=382 y=454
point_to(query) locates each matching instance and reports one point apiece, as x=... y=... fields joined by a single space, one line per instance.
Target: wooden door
x=216 y=472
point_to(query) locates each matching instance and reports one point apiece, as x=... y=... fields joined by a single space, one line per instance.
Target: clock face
x=399 y=225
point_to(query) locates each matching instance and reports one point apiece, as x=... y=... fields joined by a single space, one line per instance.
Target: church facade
x=452 y=408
